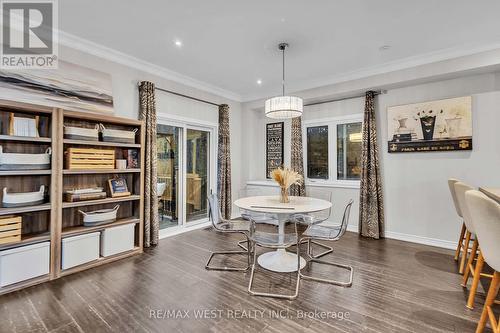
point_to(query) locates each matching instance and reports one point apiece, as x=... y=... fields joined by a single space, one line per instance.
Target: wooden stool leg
x=490 y=299
x=460 y=241
x=465 y=250
x=470 y=262
x=475 y=281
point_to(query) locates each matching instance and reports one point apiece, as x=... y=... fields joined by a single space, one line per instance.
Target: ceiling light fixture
x=178 y=43
x=284 y=107
x=259 y=82
x=384 y=47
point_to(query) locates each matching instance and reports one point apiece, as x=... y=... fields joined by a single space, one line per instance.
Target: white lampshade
x=284 y=107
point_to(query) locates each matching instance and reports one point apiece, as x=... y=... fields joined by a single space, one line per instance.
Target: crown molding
x=392 y=66
x=107 y=53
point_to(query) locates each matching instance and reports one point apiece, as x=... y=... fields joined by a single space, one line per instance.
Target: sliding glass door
x=168 y=167
x=186 y=173
x=197 y=174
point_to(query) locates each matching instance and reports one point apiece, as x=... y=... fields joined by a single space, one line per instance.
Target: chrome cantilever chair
x=316 y=218
x=485 y=214
x=328 y=233
x=227 y=226
x=272 y=241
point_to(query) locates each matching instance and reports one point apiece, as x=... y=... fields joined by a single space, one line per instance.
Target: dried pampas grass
x=286 y=177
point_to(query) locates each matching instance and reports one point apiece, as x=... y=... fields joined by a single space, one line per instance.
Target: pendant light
x=283 y=107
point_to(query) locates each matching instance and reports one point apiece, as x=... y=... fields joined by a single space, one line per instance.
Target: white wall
x=417 y=201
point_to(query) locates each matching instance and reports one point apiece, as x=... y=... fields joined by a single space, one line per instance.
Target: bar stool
x=486 y=217
x=460 y=190
x=451 y=185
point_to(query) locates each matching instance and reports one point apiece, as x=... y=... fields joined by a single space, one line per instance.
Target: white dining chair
x=485 y=214
x=460 y=245
x=222 y=225
x=475 y=254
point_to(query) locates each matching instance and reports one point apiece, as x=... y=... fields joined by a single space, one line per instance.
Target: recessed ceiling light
x=259 y=82
x=384 y=47
x=178 y=42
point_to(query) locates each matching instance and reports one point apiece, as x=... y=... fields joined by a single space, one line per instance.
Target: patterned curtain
x=224 y=163
x=371 y=205
x=297 y=163
x=148 y=115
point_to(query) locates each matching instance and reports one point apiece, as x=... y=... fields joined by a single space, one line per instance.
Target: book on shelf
x=70 y=197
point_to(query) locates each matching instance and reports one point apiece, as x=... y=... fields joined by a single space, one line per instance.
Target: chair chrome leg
x=335 y=282
x=329 y=249
x=226 y=268
x=256 y=293
x=241 y=242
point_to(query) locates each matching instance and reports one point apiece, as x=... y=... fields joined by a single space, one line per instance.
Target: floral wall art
x=441 y=125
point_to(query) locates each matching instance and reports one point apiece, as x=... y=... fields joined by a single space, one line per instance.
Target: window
x=333 y=150
x=317 y=152
x=349 y=151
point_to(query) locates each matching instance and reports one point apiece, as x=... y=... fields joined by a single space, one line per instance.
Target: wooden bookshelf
x=101 y=261
x=24 y=172
x=79 y=230
x=25 y=139
x=101 y=143
x=52 y=221
x=100 y=201
x=27 y=209
x=99 y=171
x=27 y=240
x=38 y=221
x=131 y=207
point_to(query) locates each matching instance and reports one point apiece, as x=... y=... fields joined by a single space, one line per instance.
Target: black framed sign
x=274 y=146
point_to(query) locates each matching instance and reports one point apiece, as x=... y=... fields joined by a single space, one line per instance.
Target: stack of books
x=82 y=194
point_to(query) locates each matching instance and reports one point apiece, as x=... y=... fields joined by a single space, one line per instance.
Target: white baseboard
x=413 y=238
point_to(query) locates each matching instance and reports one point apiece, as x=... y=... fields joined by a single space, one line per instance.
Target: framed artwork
x=71 y=86
x=118 y=187
x=132 y=157
x=274 y=146
x=442 y=125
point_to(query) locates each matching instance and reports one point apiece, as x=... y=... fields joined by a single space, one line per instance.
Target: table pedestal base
x=280 y=261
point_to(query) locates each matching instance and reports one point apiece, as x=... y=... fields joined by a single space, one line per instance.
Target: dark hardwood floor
x=398 y=287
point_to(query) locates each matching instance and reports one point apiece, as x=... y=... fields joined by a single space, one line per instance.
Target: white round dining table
x=281 y=260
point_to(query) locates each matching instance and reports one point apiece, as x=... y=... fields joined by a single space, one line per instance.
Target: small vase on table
x=284 y=195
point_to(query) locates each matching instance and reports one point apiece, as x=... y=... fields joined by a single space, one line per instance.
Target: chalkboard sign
x=274 y=146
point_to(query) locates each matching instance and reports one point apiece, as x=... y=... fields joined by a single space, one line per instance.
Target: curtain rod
x=186 y=96
x=376 y=92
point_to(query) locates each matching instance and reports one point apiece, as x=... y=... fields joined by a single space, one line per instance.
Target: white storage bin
x=24 y=263
x=78 y=250
x=117 y=239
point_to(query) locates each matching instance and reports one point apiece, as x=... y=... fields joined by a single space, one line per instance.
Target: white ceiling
x=230 y=44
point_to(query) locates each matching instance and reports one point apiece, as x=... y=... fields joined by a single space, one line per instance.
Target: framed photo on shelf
x=132 y=157
x=118 y=187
